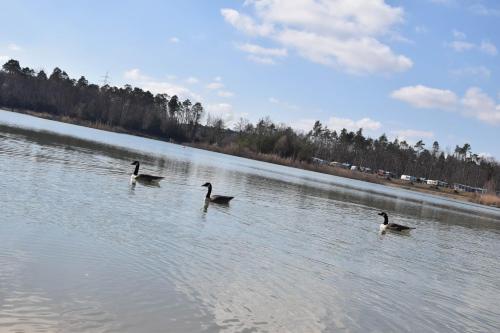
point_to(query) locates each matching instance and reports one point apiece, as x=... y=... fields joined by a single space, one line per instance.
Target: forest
x=131 y=109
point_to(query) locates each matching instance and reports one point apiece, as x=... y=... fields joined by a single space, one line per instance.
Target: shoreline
x=490 y=200
x=357 y=175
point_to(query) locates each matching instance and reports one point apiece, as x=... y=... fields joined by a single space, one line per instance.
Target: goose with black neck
x=386 y=226
x=143 y=178
x=218 y=199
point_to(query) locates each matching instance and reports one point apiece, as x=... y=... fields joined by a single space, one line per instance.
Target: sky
x=426 y=69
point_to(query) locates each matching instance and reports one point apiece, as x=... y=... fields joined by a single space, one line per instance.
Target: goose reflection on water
x=219 y=206
x=205 y=205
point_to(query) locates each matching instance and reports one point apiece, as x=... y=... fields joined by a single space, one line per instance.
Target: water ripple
x=82 y=251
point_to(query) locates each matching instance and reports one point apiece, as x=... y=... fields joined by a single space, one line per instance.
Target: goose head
x=386 y=218
x=207 y=185
x=135 y=163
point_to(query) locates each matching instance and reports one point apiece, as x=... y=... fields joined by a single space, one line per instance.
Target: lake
x=83 y=250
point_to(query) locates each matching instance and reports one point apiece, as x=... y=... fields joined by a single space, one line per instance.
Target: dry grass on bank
x=489 y=199
x=234 y=149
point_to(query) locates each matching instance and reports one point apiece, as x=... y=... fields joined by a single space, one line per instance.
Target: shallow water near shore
x=81 y=250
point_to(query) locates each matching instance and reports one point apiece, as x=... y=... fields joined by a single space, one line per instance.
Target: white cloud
x=304 y=125
x=192 y=80
x=488 y=48
x=478 y=72
x=461 y=46
x=225 y=93
x=481 y=106
x=134 y=74
x=357 y=55
x=263 y=51
x=475 y=102
x=424 y=97
x=162 y=87
x=458 y=34
x=443 y=2
x=262 y=55
x=338 y=124
x=474 y=6
x=245 y=23
x=368 y=124
x=413 y=134
x=480 y=9
x=4 y=59
x=215 y=85
x=261 y=60
x=174 y=40
x=156 y=86
x=14 y=47
x=396 y=37
x=350 y=124
x=341 y=33
x=344 y=17
x=224 y=111
x=421 y=29
x=283 y=104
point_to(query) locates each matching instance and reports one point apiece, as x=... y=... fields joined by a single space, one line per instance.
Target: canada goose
x=142 y=177
x=392 y=226
x=219 y=199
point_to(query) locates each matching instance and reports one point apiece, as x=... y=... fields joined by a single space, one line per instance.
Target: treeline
x=130 y=108
x=399 y=157
x=168 y=117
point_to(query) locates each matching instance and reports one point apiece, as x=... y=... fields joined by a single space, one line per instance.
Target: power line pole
x=105 y=79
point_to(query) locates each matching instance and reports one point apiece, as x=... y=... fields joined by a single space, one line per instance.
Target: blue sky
x=411 y=69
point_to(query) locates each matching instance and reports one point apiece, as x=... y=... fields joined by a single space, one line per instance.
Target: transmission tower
x=105 y=79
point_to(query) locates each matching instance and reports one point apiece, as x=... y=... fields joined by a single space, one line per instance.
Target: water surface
x=296 y=251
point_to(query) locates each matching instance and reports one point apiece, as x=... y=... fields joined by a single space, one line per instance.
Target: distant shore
x=485 y=199
x=233 y=149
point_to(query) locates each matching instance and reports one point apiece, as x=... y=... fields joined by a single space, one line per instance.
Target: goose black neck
x=136 y=171
x=386 y=219
x=209 y=190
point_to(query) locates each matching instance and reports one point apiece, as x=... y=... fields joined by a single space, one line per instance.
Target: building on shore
x=409 y=178
x=340 y=165
x=319 y=161
x=470 y=189
x=386 y=174
x=437 y=183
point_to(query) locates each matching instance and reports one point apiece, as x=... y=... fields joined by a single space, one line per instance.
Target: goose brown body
x=392 y=226
x=144 y=178
x=218 y=199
